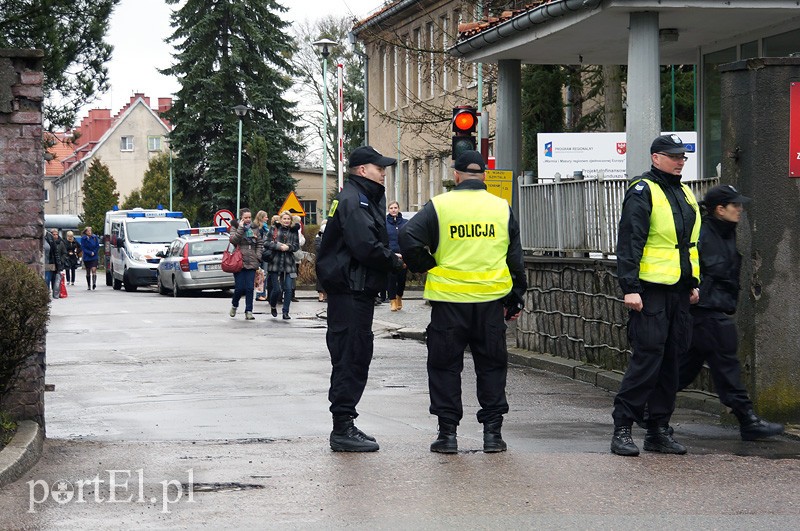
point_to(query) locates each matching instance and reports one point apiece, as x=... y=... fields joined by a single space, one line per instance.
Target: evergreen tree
x=99 y=195
x=71 y=33
x=259 y=192
x=155 y=190
x=684 y=97
x=543 y=108
x=230 y=52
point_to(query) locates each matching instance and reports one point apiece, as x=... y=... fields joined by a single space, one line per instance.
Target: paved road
x=173 y=392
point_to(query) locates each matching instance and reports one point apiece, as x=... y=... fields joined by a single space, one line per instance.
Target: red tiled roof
x=470 y=29
x=61 y=148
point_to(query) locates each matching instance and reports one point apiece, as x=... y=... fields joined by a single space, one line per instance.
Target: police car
x=193 y=262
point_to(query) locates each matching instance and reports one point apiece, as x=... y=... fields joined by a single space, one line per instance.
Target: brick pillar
x=22 y=202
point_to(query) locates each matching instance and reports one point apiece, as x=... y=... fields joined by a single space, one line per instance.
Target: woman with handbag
x=284 y=243
x=248 y=241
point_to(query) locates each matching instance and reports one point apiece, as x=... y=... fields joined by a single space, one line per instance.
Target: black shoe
x=295 y=299
x=446 y=442
x=286 y=316
x=345 y=437
x=622 y=442
x=378 y=301
x=492 y=440
x=752 y=427
x=658 y=439
x=274 y=312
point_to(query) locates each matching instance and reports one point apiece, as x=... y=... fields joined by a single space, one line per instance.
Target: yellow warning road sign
x=292 y=204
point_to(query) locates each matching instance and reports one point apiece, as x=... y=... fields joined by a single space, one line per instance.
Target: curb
x=22 y=452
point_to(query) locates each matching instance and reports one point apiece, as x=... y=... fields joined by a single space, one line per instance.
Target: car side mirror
x=161 y=254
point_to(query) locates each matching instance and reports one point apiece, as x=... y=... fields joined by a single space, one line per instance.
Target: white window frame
x=385 y=73
x=154 y=143
x=126 y=143
x=418 y=43
x=460 y=62
x=445 y=40
x=431 y=62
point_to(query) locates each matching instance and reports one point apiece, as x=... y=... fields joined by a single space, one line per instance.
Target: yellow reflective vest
x=661 y=259
x=473 y=244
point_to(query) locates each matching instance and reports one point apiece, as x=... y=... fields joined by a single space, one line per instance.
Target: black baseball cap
x=723 y=194
x=671 y=144
x=467 y=159
x=368 y=155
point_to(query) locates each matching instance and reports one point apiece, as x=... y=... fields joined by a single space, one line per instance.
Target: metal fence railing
x=577 y=215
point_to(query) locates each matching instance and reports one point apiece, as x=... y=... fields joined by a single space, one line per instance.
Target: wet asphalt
x=220 y=423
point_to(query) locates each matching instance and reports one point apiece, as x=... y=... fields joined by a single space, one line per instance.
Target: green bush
x=24 y=312
x=7 y=429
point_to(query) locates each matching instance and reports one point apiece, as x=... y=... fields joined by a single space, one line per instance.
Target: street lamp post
x=241 y=112
x=169 y=142
x=324 y=44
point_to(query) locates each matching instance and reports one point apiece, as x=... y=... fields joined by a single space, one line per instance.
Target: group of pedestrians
x=679 y=273
x=270 y=247
x=62 y=257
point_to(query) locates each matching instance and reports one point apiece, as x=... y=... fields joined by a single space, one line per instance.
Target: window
x=445 y=39
x=460 y=63
x=396 y=75
x=712 y=109
x=126 y=143
x=385 y=74
x=153 y=143
x=749 y=50
x=431 y=178
x=783 y=45
x=46 y=195
x=310 y=208
x=418 y=44
x=407 y=67
x=431 y=62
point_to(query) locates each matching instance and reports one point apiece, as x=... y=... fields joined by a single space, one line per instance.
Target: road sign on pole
x=223 y=218
x=292 y=204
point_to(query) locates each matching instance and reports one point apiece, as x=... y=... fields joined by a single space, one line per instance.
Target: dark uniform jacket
x=354 y=255
x=720 y=264
x=634 y=226
x=419 y=239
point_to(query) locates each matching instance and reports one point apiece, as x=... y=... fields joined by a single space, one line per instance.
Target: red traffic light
x=465 y=119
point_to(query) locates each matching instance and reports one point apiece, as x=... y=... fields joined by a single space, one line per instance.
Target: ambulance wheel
x=117 y=284
x=129 y=286
x=109 y=278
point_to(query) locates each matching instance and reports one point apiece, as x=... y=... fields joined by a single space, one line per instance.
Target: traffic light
x=465 y=122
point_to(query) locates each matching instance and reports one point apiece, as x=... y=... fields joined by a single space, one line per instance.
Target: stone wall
x=22 y=201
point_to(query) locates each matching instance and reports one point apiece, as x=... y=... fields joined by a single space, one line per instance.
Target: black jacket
x=419 y=239
x=354 y=255
x=634 y=226
x=720 y=264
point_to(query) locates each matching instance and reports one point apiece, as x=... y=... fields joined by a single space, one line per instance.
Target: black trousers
x=715 y=340
x=659 y=336
x=397 y=284
x=350 y=343
x=453 y=327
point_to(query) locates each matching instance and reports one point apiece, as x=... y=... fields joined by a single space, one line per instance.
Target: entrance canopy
x=596 y=31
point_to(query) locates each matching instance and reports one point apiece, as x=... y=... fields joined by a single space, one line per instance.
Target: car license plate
x=213 y=267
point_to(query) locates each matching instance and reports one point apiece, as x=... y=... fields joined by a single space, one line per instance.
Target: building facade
x=125 y=143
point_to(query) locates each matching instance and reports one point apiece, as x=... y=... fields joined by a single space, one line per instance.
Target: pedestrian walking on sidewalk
x=283 y=243
x=659 y=271
x=247 y=238
x=352 y=266
x=73 y=256
x=397 y=279
x=468 y=242
x=714 y=337
x=90 y=246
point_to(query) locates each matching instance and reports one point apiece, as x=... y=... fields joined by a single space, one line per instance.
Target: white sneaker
x=233 y=311
x=249 y=316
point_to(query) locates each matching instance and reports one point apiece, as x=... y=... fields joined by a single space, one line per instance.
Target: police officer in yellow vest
x=658 y=271
x=468 y=242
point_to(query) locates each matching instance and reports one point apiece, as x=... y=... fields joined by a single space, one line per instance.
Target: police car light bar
x=202 y=230
x=162 y=214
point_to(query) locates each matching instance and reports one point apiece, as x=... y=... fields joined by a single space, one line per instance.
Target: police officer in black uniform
x=468 y=242
x=658 y=270
x=353 y=265
x=714 y=338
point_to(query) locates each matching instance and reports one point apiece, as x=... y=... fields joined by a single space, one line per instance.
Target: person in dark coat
x=352 y=266
x=73 y=256
x=90 y=246
x=714 y=335
x=247 y=238
x=58 y=257
x=397 y=280
x=283 y=242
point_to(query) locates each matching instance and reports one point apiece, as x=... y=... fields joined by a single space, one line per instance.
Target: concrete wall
x=22 y=201
x=755 y=139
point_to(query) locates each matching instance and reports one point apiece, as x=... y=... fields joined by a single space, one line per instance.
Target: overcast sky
x=137 y=32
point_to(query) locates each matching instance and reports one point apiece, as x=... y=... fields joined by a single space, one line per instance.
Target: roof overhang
x=596 y=31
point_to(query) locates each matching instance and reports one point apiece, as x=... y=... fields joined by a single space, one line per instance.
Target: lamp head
x=241 y=110
x=324 y=45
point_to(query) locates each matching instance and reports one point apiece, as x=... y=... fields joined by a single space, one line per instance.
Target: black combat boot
x=752 y=427
x=446 y=442
x=659 y=439
x=622 y=442
x=492 y=440
x=345 y=437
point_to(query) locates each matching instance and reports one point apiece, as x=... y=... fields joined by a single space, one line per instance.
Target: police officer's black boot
x=345 y=437
x=446 y=442
x=622 y=442
x=659 y=439
x=492 y=439
x=752 y=427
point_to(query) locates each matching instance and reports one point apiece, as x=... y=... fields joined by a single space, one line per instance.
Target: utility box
x=755 y=97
